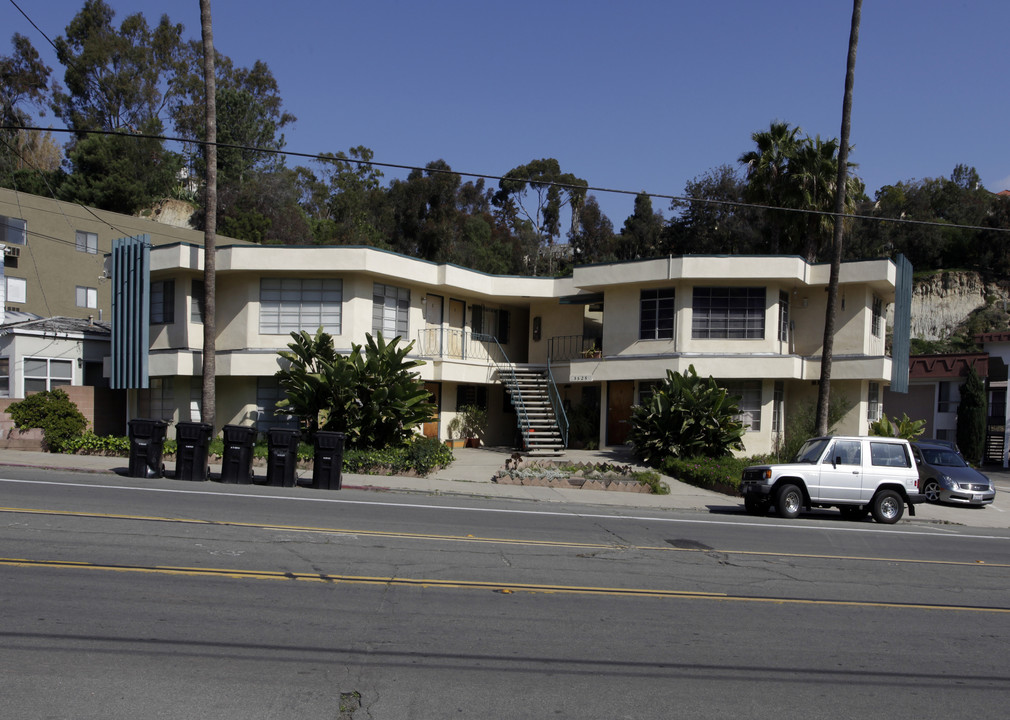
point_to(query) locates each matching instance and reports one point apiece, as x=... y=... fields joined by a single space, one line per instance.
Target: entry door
x=457 y=324
x=430 y=428
x=620 y=395
x=433 y=325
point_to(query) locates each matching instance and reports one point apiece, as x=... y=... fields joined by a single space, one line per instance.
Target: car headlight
x=948 y=482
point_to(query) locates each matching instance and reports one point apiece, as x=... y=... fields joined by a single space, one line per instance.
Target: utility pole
x=208 y=396
x=824 y=391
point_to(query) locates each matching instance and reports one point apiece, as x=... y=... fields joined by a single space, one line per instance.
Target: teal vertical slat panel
x=131 y=278
x=901 y=337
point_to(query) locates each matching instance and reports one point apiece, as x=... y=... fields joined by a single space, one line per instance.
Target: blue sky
x=633 y=95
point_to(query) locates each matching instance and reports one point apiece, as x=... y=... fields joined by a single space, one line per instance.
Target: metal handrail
x=568 y=347
x=503 y=365
x=560 y=416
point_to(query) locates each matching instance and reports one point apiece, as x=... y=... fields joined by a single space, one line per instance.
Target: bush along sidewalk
x=579 y=476
x=418 y=457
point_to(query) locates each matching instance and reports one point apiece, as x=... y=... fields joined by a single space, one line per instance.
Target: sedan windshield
x=942 y=458
x=811 y=451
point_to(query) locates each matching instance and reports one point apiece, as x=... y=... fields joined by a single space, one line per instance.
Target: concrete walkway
x=472 y=471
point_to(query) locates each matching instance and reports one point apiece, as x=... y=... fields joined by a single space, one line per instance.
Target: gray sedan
x=944 y=476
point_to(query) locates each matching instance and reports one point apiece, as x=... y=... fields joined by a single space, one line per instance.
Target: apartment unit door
x=430 y=428
x=620 y=394
x=433 y=341
x=457 y=326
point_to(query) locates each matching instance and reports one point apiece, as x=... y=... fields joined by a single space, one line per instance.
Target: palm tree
x=208 y=394
x=767 y=170
x=813 y=173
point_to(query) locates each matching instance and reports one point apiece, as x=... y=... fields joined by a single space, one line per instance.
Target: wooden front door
x=620 y=397
x=457 y=326
x=430 y=428
x=433 y=325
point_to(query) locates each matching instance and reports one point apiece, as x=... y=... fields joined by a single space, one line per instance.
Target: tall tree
x=767 y=176
x=595 y=240
x=24 y=90
x=971 y=417
x=209 y=389
x=639 y=238
x=712 y=219
x=824 y=390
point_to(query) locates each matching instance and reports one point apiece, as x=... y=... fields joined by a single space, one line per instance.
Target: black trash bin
x=147 y=447
x=329 y=460
x=236 y=463
x=282 y=456
x=193 y=441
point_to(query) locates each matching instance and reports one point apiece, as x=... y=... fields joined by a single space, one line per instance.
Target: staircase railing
x=560 y=416
x=507 y=374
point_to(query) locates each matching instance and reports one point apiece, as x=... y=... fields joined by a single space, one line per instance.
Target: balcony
x=563 y=348
x=453 y=344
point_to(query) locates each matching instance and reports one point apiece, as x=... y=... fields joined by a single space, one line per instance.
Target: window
x=268 y=394
x=5 y=377
x=13 y=231
x=158 y=401
x=87 y=242
x=947 y=397
x=47 y=373
x=196 y=307
x=877 y=327
x=290 y=305
x=749 y=392
x=163 y=302
x=889 y=455
x=471 y=395
x=728 y=312
x=490 y=321
x=390 y=306
x=87 y=297
x=778 y=406
x=783 y=316
x=845 y=452
x=16 y=289
x=656 y=314
x=873 y=402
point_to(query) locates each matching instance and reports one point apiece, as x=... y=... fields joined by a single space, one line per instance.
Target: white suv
x=858 y=475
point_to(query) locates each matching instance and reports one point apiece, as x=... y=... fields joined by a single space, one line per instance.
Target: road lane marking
x=503 y=588
x=792 y=525
x=489 y=540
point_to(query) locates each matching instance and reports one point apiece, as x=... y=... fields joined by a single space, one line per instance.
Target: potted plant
x=468 y=425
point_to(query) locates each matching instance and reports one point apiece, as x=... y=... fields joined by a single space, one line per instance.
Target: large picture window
x=47 y=373
x=728 y=312
x=749 y=392
x=268 y=394
x=656 y=314
x=390 y=309
x=290 y=305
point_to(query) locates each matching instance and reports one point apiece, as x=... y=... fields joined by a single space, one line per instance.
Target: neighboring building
x=997 y=346
x=54 y=253
x=607 y=333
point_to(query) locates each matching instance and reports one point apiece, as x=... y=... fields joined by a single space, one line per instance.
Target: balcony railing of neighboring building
x=562 y=348
x=453 y=344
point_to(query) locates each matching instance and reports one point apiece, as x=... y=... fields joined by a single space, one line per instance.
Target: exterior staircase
x=529 y=390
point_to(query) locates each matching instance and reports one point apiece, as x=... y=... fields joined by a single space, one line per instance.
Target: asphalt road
x=121 y=599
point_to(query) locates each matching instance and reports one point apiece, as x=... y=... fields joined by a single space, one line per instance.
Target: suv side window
x=889 y=455
x=845 y=452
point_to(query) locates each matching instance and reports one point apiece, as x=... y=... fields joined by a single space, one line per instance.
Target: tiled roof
x=947 y=366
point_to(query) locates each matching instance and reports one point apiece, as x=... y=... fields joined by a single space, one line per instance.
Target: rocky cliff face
x=942 y=301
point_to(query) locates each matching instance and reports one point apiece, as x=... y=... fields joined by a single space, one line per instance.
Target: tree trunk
x=824 y=391
x=208 y=402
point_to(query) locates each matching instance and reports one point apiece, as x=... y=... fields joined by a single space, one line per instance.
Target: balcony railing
x=452 y=344
x=567 y=347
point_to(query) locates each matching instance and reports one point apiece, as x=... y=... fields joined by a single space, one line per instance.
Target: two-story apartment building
x=603 y=335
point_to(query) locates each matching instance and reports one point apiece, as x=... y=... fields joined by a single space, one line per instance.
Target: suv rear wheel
x=887 y=507
x=788 y=501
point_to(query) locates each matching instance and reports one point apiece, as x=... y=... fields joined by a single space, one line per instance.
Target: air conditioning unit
x=12 y=251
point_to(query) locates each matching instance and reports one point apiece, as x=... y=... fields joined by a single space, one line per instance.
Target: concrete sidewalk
x=472 y=471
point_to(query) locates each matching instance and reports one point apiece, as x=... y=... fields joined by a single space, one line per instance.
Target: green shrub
x=971 y=418
x=720 y=474
x=686 y=416
x=91 y=444
x=54 y=412
x=425 y=454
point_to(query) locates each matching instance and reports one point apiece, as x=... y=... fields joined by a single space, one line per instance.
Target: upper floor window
x=783 y=316
x=16 y=289
x=490 y=321
x=87 y=297
x=13 y=231
x=728 y=312
x=196 y=307
x=947 y=396
x=390 y=308
x=290 y=305
x=87 y=242
x=47 y=373
x=878 y=317
x=163 y=302
x=656 y=314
